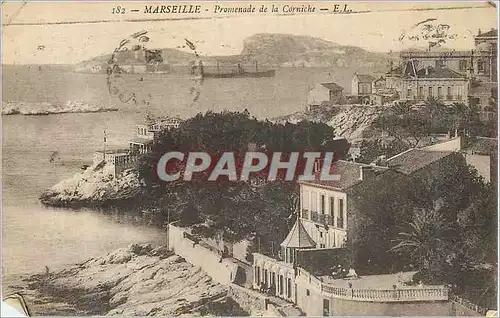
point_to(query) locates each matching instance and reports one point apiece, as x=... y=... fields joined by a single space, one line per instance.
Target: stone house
x=328 y=221
x=146 y=133
x=441 y=83
x=479 y=152
x=362 y=84
x=325 y=94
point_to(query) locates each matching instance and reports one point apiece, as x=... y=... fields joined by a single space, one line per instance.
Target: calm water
x=35 y=236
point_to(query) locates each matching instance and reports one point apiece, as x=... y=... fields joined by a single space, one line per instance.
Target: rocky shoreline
x=92 y=188
x=136 y=281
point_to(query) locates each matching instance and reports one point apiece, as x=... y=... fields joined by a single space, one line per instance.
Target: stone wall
x=222 y=270
x=251 y=301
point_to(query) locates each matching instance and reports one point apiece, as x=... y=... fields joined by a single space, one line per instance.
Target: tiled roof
x=333 y=86
x=413 y=160
x=350 y=173
x=365 y=78
x=396 y=71
x=482 y=145
x=298 y=237
x=491 y=33
x=440 y=72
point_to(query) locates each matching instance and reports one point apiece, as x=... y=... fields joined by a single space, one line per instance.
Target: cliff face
x=94 y=186
x=348 y=121
x=134 y=281
x=297 y=51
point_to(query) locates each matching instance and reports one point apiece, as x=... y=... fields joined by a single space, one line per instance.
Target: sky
x=70 y=32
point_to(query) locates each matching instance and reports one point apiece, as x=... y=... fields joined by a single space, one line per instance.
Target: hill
x=278 y=50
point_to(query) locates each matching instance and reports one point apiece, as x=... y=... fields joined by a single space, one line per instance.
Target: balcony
x=340 y=223
x=329 y=220
x=314 y=216
x=321 y=218
x=305 y=214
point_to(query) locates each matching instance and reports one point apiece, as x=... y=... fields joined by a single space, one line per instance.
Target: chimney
x=479 y=32
x=366 y=172
x=317 y=166
x=252 y=146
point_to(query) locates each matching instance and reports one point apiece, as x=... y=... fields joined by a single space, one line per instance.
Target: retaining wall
x=221 y=270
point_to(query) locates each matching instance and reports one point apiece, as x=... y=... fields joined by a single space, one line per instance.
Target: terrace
x=376 y=288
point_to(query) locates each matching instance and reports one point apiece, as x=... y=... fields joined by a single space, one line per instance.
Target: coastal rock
x=349 y=121
x=94 y=186
x=136 y=281
x=44 y=108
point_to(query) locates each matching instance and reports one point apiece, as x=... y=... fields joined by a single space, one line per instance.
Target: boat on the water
x=240 y=72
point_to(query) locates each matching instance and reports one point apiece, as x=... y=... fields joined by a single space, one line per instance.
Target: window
x=420 y=92
x=314 y=202
x=321 y=234
x=440 y=92
x=463 y=65
x=430 y=91
x=332 y=207
x=440 y=63
x=480 y=65
x=289 y=288
x=307 y=292
x=322 y=245
x=409 y=93
x=365 y=88
x=326 y=307
x=340 y=220
x=448 y=93
x=323 y=203
x=281 y=284
x=305 y=200
x=257 y=272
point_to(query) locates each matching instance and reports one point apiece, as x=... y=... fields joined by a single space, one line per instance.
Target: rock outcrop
x=93 y=187
x=349 y=121
x=136 y=281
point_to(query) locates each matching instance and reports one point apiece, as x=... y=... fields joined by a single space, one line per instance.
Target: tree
x=426 y=241
x=240 y=209
x=405 y=123
x=372 y=149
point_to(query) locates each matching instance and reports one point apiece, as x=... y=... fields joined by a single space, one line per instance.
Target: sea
x=35 y=236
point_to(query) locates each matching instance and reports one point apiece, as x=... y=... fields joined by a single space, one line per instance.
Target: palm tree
x=401 y=108
x=458 y=112
x=425 y=241
x=433 y=108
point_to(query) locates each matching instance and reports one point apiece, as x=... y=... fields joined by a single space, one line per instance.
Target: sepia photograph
x=232 y=158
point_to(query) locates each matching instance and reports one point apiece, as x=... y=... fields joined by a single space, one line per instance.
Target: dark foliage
x=238 y=209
